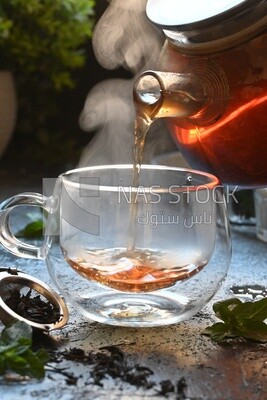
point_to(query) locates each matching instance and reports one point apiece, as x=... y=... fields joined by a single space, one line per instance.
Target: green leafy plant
x=34 y=229
x=43 y=43
x=240 y=319
x=16 y=353
x=44 y=40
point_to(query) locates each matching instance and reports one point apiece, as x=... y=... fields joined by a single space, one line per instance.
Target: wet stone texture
x=93 y=361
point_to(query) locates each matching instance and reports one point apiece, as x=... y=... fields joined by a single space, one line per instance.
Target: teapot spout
x=164 y=94
x=201 y=96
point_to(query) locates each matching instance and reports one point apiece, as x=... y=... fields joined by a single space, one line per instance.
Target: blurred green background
x=51 y=84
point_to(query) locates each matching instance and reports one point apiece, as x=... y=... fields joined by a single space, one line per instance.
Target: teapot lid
x=181 y=12
x=208 y=25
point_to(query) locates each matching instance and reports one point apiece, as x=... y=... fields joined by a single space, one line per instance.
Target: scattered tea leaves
x=240 y=319
x=110 y=361
x=166 y=387
x=16 y=354
x=181 y=389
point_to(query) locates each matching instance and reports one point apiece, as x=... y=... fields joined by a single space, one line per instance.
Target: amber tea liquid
x=139 y=271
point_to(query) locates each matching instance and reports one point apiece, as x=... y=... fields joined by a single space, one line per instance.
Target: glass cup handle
x=7 y=239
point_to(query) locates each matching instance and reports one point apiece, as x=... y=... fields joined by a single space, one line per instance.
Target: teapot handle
x=7 y=238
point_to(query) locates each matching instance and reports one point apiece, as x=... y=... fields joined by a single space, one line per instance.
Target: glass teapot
x=212 y=85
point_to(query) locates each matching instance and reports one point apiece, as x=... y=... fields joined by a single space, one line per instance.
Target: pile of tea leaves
x=32 y=307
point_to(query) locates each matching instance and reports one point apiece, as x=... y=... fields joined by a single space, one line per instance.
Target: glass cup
x=148 y=255
x=260 y=202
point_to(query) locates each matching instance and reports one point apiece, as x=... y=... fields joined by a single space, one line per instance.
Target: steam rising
x=108 y=109
x=124 y=38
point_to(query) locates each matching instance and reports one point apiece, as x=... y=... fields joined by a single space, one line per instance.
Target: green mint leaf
x=43 y=355
x=253 y=330
x=34 y=368
x=7 y=347
x=16 y=353
x=224 y=309
x=17 y=364
x=244 y=320
x=37 y=363
x=32 y=230
x=218 y=332
x=252 y=310
x=27 y=363
x=16 y=331
x=23 y=345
